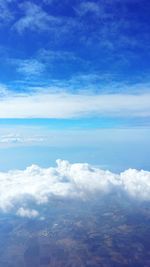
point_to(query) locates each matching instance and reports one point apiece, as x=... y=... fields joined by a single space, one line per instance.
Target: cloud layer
x=67 y=105
x=18 y=188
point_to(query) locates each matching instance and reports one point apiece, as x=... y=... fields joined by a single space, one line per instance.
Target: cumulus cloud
x=80 y=180
x=29 y=213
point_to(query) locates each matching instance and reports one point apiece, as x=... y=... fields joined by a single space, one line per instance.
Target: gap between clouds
x=18 y=188
x=67 y=105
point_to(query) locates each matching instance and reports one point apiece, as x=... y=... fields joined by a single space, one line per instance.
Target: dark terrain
x=107 y=232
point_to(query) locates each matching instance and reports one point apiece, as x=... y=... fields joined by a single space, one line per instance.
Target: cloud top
x=29 y=213
x=19 y=187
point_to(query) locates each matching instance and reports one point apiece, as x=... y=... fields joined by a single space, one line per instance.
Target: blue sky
x=102 y=46
x=70 y=69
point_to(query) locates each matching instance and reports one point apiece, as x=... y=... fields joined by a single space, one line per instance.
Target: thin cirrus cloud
x=34 y=18
x=6 y=15
x=88 y=7
x=66 y=180
x=15 y=139
x=68 y=105
x=29 y=67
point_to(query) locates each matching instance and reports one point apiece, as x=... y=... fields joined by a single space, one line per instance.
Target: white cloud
x=73 y=136
x=15 y=139
x=6 y=14
x=30 y=67
x=67 y=105
x=3 y=90
x=29 y=213
x=88 y=7
x=44 y=59
x=49 y=56
x=34 y=18
x=66 y=181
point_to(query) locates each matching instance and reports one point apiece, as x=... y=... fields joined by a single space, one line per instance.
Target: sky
x=74 y=83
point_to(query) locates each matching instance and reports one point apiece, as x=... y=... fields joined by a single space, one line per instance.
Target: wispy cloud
x=54 y=55
x=87 y=7
x=20 y=139
x=105 y=44
x=66 y=105
x=3 y=90
x=75 y=133
x=29 y=67
x=44 y=61
x=6 y=14
x=34 y=18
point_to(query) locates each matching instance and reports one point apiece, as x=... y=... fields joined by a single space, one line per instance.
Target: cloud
x=44 y=60
x=67 y=105
x=88 y=7
x=46 y=55
x=6 y=15
x=30 y=67
x=108 y=29
x=16 y=139
x=18 y=188
x=34 y=18
x=29 y=213
x=3 y=90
